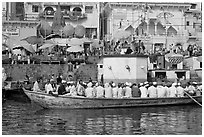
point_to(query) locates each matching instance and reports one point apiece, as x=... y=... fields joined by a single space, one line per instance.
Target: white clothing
x=152 y=91
x=115 y=92
x=73 y=91
x=89 y=92
x=99 y=92
x=180 y=91
x=120 y=92
x=161 y=91
x=172 y=91
x=48 y=87
x=108 y=92
x=128 y=92
x=36 y=86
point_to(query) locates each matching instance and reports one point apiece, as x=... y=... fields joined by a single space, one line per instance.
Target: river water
x=28 y=119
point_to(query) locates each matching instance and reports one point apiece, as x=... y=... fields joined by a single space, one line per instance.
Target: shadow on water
x=144 y=120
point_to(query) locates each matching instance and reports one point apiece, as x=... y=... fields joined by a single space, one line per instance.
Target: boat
x=71 y=102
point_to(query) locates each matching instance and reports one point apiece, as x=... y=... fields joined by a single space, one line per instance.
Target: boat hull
x=68 y=102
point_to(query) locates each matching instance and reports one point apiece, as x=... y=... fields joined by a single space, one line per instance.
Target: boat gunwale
x=94 y=98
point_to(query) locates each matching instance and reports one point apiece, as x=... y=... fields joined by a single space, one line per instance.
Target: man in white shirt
x=115 y=90
x=89 y=90
x=128 y=92
x=161 y=90
x=143 y=90
x=180 y=90
x=108 y=91
x=152 y=90
x=99 y=91
x=36 y=85
x=172 y=90
x=48 y=87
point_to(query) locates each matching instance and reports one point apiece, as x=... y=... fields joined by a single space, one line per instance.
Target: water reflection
x=24 y=119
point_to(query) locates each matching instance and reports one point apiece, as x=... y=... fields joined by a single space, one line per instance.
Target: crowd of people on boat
x=121 y=90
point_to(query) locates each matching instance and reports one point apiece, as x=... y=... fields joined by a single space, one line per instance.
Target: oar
x=193 y=99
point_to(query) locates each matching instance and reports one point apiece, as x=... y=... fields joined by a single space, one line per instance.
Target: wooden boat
x=70 y=102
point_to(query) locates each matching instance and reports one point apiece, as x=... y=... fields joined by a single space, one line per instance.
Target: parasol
x=33 y=40
x=75 y=49
x=80 y=31
x=24 y=45
x=68 y=30
x=48 y=44
x=44 y=28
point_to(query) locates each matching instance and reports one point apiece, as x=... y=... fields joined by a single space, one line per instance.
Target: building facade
x=156 y=24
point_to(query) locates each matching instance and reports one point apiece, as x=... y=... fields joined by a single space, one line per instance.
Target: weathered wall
x=18 y=71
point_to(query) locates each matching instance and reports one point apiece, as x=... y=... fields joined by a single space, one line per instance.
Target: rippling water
x=26 y=118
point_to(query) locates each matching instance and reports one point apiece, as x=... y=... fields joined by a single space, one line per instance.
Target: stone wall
x=18 y=71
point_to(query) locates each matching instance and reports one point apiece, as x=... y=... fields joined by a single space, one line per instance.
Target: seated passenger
x=89 y=90
x=36 y=85
x=73 y=90
x=61 y=89
x=100 y=91
x=48 y=87
x=108 y=91
x=80 y=89
x=115 y=90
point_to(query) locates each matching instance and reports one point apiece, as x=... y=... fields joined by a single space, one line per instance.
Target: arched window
x=49 y=11
x=77 y=11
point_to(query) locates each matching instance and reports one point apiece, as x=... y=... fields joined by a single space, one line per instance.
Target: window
x=187 y=23
x=101 y=66
x=89 y=9
x=194 y=24
x=35 y=8
x=174 y=66
x=200 y=64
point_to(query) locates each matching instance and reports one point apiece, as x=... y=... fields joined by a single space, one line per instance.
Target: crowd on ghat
x=121 y=90
x=109 y=48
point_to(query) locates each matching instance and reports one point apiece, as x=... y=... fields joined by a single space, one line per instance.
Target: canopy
x=75 y=41
x=48 y=44
x=75 y=49
x=174 y=58
x=86 y=40
x=24 y=45
x=60 y=41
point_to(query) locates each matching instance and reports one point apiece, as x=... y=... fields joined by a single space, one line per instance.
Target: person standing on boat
x=48 y=87
x=115 y=90
x=152 y=90
x=36 y=85
x=135 y=90
x=191 y=89
x=161 y=90
x=89 y=90
x=197 y=90
x=172 y=90
x=128 y=90
x=108 y=91
x=99 y=91
x=120 y=90
x=180 y=90
x=143 y=90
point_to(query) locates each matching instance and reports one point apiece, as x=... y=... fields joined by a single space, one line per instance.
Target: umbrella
x=60 y=41
x=75 y=49
x=121 y=34
x=80 y=31
x=33 y=40
x=75 y=41
x=68 y=30
x=44 y=28
x=24 y=45
x=48 y=44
